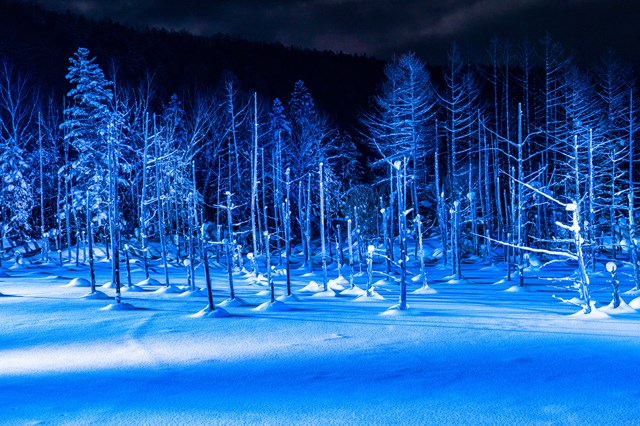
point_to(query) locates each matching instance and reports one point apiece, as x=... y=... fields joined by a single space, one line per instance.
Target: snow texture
x=471 y=353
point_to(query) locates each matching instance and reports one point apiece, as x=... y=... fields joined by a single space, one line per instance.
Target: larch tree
x=16 y=118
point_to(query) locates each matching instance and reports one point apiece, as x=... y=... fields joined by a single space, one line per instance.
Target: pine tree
x=87 y=119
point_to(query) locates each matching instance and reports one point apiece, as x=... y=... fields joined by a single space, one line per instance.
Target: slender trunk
x=520 y=224
x=67 y=216
x=584 y=278
x=440 y=208
x=230 y=242
x=592 y=208
x=423 y=272
x=43 y=236
x=611 y=267
x=301 y=224
x=126 y=260
x=340 y=255
x=193 y=225
x=323 y=252
x=113 y=183
x=287 y=230
x=631 y=213
x=392 y=193
x=350 y=243
x=308 y=225
x=370 y=251
x=92 y=271
x=268 y=260
x=143 y=208
x=207 y=273
x=254 y=188
x=161 y=214
x=385 y=227
x=59 y=223
x=402 y=226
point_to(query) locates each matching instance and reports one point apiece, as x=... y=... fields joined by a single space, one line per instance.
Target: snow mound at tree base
x=312 y=287
x=269 y=306
x=172 y=289
x=233 y=303
x=149 y=281
x=334 y=285
x=3 y=274
x=355 y=291
x=455 y=281
x=635 y=303
x=340 y=280
x=425 y=290
x=594 y=314
x=78 y=282
x=369 y=295
x=18 y=266
x=451 y=279
x=518 y=289
x=395 y=311
x=198 y=292
x=491 y=268
x=98 y=295
x=119 y=307
x=132 y=289
x=623 y=308
x=216 y=313
x=288 y=298
x=328 y=293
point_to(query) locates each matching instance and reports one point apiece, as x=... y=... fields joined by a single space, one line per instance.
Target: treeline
x=527 y=153
x=38 y=42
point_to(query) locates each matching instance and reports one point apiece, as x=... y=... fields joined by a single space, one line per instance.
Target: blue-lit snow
x=472 y=353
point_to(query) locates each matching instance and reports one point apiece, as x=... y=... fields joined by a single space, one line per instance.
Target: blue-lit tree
x=16 y=118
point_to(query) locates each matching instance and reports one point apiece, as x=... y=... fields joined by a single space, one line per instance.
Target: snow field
x=472 y=353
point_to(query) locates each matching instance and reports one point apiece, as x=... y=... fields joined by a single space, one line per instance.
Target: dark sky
x=381 y=28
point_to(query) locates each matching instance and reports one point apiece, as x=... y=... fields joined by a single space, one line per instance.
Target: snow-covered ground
x=472 y=353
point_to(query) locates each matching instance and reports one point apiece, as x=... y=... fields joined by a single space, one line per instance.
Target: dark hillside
x=40 y=42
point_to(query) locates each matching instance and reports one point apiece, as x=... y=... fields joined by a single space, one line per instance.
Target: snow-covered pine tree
x=87 y=118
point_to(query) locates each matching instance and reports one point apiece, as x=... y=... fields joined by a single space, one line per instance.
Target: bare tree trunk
x=92 y=271
x=308 y=225
x=287 y=230
x=161 y=215
x=323 y=252
x=143 y=208
x=114 y=216
x=230 y=241
x=254 y=188
x=350 y=243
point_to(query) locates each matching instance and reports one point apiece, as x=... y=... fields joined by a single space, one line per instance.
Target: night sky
x=381 y=28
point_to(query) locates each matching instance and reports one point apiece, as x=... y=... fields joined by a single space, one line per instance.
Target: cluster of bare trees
x=487 y=157
x=507 y=153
